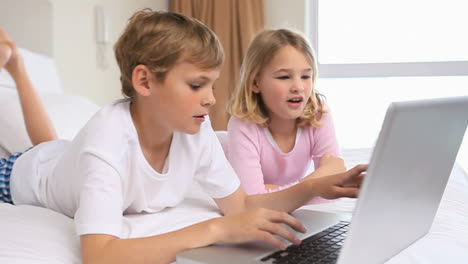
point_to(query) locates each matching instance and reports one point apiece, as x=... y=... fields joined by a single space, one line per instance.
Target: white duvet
x=37 y=235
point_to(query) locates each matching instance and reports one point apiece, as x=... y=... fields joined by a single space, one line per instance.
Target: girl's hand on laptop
x=345 y=184
x=258 y=224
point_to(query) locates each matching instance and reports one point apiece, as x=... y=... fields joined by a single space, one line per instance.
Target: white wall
x=75 y=47
x=290 y=14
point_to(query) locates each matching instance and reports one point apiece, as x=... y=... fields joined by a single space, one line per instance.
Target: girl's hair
x=160 y=40
x=247 y=105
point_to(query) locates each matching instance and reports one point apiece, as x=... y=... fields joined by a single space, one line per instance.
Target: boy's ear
x=255 y=88
x=141 y=77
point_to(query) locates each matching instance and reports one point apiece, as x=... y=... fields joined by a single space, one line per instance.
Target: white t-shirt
x=102 y=174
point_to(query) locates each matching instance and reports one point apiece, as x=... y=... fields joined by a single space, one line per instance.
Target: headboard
x=29 y=23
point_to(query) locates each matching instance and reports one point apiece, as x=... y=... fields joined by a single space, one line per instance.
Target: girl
x=141 y=154
x=279 y=122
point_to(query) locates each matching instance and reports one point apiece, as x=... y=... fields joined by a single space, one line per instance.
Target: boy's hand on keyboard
x=258 y=225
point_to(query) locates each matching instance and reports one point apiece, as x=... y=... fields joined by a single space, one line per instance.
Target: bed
x=37 y=235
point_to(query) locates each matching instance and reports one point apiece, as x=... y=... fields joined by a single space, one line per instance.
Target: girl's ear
x=141 y=77
x=255 y=87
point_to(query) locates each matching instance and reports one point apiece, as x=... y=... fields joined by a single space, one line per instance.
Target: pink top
x=258 y=160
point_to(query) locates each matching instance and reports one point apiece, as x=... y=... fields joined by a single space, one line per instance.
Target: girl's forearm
x=320 y=172
x=325 y=170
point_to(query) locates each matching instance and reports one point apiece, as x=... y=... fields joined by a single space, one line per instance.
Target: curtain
x=235 y=22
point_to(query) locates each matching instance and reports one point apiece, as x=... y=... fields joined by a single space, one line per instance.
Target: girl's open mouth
x=295 y=102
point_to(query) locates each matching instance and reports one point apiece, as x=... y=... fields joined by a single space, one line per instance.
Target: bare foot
x=3 y=35
x=9 y=56
x=5 y=49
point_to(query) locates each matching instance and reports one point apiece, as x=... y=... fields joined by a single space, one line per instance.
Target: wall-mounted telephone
x=102 y=25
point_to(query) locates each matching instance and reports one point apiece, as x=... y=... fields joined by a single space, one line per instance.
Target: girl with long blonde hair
x=279 y=122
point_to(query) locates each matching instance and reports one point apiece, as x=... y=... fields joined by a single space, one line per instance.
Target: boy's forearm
x=286 y=200
x=156 y=249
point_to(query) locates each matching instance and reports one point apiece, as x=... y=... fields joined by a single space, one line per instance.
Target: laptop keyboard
x=323 y=247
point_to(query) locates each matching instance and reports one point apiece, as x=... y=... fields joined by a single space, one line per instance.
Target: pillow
x=41 y=70
x=69 y=113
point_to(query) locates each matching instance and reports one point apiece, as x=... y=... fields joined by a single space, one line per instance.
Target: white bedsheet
x=37 y=235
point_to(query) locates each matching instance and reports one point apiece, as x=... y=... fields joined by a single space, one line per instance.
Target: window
x=367 y=38
x=373 y=52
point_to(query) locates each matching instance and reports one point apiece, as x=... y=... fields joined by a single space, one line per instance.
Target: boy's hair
x=247 y=105
x=160 y=40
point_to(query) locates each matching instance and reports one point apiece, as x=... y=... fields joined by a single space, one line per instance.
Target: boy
x=141 y=154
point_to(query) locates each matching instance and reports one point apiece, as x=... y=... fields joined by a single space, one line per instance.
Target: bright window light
x=377 y=31
x=358 y=105
x=394 y=51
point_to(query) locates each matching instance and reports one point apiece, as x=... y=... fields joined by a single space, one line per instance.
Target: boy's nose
x=209 y=99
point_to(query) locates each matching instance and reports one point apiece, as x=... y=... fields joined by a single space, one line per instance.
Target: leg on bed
x=38 y=123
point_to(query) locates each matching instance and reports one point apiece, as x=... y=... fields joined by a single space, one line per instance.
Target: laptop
x=407 y=175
